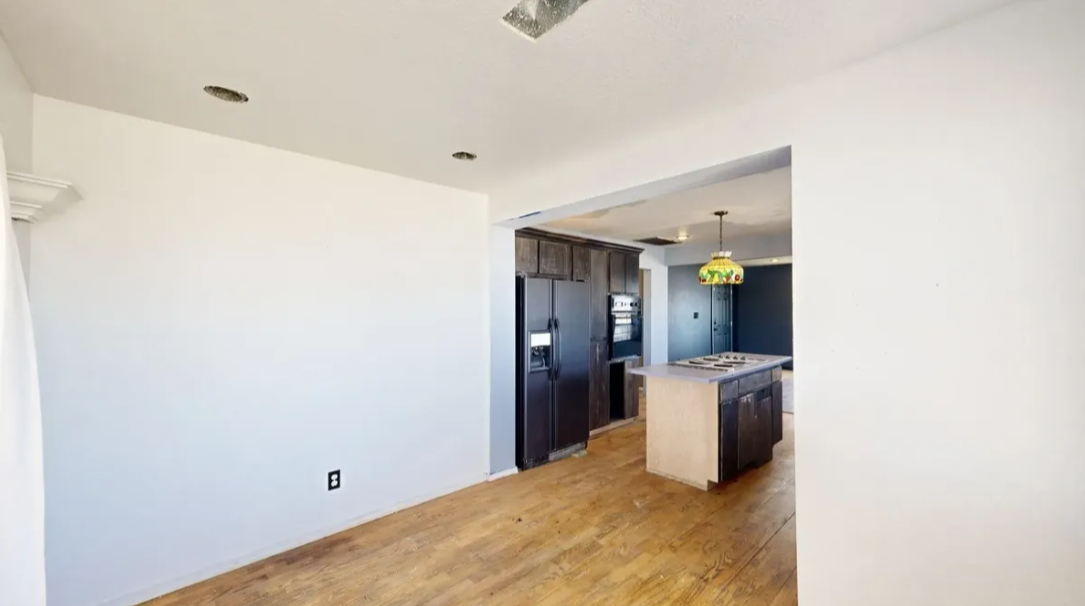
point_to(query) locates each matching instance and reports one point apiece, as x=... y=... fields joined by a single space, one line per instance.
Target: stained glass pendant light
x=721 y=269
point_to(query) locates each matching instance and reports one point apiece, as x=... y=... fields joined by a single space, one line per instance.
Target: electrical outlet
x=333 y=480
x=696 y=315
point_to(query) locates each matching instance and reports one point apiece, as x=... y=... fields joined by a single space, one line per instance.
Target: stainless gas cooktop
x=725 y=362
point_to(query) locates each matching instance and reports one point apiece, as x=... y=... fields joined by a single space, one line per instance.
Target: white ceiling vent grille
x=534 y=18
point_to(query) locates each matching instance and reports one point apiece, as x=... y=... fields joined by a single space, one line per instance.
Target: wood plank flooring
x=588 y=531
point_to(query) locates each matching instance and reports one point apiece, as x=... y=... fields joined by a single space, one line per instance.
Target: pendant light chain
x=721 y=233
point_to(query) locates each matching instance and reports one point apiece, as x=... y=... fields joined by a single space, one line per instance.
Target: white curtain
x=22 y=502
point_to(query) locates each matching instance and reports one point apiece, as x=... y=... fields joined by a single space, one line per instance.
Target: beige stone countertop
x=699 y=375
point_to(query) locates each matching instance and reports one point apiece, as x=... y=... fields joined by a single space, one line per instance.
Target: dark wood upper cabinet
x=617 y=272
x=632 y=274
x=614 y=268
x=624 y=273
x=600 y=312
x=554 y=259
x=527 y=256
x=581 y=264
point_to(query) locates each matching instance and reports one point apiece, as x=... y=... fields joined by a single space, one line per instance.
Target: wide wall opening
x=654 y=347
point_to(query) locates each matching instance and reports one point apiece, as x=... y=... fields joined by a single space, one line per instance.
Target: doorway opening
x=743 y=320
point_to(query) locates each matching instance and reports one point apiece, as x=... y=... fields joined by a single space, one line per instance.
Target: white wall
x=16 y=123
x=16 y=112
x=220 y=324
x=653 y=259
x=502 y=349
x=21 y=503
x=748 y=247
x=22 y=490
x=960 y=180
x=22 y=231
x=954 y=164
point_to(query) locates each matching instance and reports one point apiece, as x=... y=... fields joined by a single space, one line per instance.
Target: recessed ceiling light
x=534 y=18
x=228 y=95
x=683 y=237
x=465 y=156
x=775 y=260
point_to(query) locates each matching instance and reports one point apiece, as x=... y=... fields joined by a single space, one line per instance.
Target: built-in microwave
x=624 y=331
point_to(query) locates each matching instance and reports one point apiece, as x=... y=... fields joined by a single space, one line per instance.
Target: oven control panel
x=624 y=304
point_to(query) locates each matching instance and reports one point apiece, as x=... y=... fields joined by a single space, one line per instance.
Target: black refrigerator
x=552 y=344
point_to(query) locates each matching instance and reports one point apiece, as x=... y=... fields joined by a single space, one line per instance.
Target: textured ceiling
x=757 y=205
x=398 y=86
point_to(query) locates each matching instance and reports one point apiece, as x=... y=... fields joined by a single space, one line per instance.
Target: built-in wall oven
x=624 y=334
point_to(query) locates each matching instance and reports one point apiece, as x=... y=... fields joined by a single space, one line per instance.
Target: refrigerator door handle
x=556 y=349
x=550 y=371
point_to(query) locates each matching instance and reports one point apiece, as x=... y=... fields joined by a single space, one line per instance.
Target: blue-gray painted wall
x=762 y=312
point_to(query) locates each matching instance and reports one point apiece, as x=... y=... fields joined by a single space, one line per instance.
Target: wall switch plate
x=333 y=480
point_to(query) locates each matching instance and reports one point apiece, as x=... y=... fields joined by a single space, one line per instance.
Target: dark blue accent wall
x=763 y=311
x=687 y=336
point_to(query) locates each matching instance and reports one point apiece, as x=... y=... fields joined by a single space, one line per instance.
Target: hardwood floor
x=588 y=531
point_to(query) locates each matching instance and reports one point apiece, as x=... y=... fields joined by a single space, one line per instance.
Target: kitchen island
x=711 y=417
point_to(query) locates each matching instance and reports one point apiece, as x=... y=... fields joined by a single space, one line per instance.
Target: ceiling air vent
x=534 y=18
x=228 y=95
x=653 y=241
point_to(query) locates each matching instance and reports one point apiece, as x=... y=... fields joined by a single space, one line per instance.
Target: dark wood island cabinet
x=705 y=426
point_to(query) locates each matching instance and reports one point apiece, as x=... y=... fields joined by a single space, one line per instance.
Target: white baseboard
x=502 y=474
x=161 y=589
